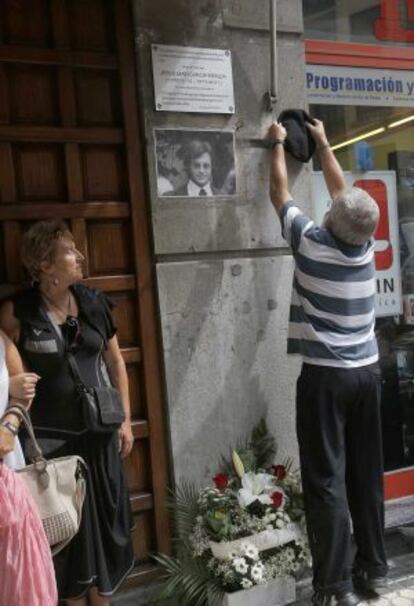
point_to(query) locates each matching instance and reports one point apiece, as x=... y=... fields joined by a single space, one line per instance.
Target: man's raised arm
x=332 y=171
x=279 y=185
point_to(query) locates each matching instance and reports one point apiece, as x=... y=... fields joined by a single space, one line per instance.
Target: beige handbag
x=57 y=487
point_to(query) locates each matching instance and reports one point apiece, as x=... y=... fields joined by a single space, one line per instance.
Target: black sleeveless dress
x=101 y=554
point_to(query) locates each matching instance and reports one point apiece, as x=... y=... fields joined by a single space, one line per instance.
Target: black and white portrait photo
x=194 y=163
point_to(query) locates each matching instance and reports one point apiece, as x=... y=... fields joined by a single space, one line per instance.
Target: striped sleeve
x=294 y=224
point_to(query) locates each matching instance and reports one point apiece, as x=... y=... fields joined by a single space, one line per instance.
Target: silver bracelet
x=325 y=146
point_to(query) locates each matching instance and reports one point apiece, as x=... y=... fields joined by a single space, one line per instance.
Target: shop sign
x=381 y=185
x=342 y=85
x=390 y=25
x=190 y=79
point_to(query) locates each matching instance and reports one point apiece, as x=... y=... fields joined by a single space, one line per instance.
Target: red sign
x=390 y=26
x=378 y=190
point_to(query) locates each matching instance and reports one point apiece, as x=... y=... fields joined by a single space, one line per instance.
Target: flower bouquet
x=243 y=534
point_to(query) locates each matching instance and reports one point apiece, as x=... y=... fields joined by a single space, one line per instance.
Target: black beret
x=299 y=142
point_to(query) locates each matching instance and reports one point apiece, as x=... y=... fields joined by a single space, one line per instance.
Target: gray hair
x=353 y=216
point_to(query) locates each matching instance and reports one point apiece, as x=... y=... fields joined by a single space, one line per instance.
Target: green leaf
x=218 y=525
x=263 y=445
x=257 y=452
x=188 y=580
x=183 y=505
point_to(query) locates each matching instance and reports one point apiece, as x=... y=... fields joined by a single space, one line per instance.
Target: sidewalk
x=403 y=596
x=400 y=554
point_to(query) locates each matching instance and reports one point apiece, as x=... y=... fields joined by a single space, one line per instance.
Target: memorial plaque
x=190 y=79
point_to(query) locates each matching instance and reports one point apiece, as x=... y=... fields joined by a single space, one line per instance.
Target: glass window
x=369 y=117
x=392 y=149
x=359 y=21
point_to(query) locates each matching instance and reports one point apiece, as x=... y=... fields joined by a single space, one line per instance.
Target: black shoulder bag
x=101 y=406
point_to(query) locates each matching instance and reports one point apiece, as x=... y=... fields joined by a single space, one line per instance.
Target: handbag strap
x=73 y=365
x=24 y=417
x=74 y=368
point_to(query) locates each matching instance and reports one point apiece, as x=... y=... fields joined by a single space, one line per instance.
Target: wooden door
x=70 y=148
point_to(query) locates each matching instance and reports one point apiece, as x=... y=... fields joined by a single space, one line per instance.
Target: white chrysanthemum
x=250 y=551
x=280 y=523
x=246 y=583
x=257 y=573
x=240 y=565
x=289 y=554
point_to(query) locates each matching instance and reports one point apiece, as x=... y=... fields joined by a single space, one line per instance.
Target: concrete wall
x=224 y=273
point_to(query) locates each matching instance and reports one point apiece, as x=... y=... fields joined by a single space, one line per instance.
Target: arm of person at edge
x=117 y=370
x=332 y=171
x=22 y=381
x=279 y=185
x=22 y=386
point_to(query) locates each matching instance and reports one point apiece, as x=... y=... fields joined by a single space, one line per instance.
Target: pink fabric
x=26 y=568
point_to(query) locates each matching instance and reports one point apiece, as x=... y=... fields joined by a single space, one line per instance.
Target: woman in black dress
x=57 y=314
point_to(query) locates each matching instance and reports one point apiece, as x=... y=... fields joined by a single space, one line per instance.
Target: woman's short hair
x=39 y=244
x=353 y=216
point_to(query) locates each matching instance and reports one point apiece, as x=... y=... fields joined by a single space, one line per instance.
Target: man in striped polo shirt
x=331 y=325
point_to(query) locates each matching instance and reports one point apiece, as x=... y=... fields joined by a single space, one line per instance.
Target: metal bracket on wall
x=272 y=95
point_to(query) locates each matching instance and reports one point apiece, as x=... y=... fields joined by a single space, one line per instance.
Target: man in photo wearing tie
x=198 y=163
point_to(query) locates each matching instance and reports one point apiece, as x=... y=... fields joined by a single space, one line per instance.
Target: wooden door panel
x=97 y=98
x=137 y=468
x=70 y=149
x=8 y=192
x=4 y=96
x=126 y=317
x=91 y=25
x=33 y=95
x=104 y=172
x=138 y=409
x=40 y=172
x=109 y=248
x=26 y=22
x=143 y=534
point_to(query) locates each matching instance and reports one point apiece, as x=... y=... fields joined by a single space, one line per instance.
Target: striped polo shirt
x=332 y=313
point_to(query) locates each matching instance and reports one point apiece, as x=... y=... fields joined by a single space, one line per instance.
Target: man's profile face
x=200 y=169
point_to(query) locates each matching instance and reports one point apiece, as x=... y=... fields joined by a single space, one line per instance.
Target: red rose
x=279 y=471
x=277 y=499
x=221 y=481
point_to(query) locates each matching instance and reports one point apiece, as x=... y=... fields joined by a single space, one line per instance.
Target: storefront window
x=368 y=111
x=387 y=22
x=391 y=152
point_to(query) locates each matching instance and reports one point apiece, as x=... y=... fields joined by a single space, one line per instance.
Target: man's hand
x=276 y=132
x=317 y=130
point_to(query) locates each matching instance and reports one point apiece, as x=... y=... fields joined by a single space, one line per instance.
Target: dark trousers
x=339 y=433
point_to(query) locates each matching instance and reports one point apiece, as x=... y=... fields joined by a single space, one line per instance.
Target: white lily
x=256 y=487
